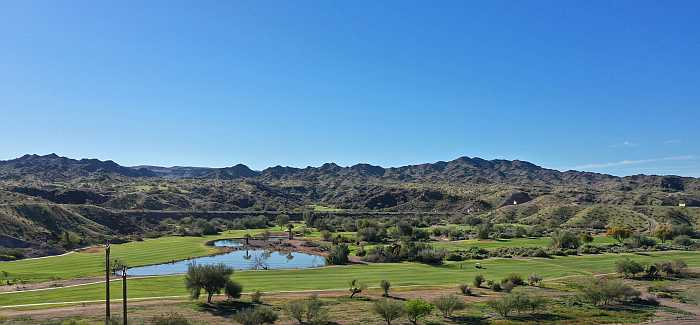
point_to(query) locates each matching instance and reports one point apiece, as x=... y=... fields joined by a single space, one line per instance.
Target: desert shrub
x=233 y=290
x=476 y=253
x=518 y=302
x=448 y=304
x=507 y=286
x=495 y=286
x=478 y=280
x=431 y=256
x=606 y=292
x=683 y=240
x=652 y=271
x=620 y=233
x=326 y=235
x=372 y=233
x=388 y=310
x=454 y=257
x=210 y=278
x=361 y=251
x=256 y=316
x=483 y=231
x=170 y=319
x=638 y=240
x=307 y=311
x=503 y=307
x=385 y=285
x=589 y=249
x=628 y=267
x=417 y=309
x=513 y=278
x=256 y=297
x=565 y=239
x=534 y=279
x=465 y=289
x=339 y=255
x=356 y=287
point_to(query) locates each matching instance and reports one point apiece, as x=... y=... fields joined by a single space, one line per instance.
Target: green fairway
x=514 y=242
x=91 y=262
x=402 y=274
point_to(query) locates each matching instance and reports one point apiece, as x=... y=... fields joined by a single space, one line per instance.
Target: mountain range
x=42 y=197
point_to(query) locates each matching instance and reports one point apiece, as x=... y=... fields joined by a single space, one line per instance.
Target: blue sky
x=605 y=86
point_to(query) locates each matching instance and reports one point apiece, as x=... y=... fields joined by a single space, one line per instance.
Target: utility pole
x=107 y=269
x=124 y=293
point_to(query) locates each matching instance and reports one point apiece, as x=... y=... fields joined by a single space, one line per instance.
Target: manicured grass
x=403 y=274
x=514 y=242
x=91 y=262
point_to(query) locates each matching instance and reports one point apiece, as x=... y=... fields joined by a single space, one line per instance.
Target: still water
x=241 y=259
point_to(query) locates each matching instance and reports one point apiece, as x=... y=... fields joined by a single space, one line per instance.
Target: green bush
x=233 y=290
x=465 y=289
x=307 y=311
x=515 y=279
x=256 y=316
x=628 y=267
x=478 y=280
x=447 y=305
x=606 y=292
x=210 y=278
x=388 y=310
x=534 y=279
x=417 y=309
x=385 y=285
x=256 y=297
x=683 y=240
x=170 y=319
x=339 y=255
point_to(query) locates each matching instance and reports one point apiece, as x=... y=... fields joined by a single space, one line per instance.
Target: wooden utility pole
x=107 y=269
x=124 y=293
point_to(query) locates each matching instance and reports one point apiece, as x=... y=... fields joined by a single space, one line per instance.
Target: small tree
x=478 y=280
x=565 y=239
x=585 y=237
x=683 y=240
x=417 y=309
x=620 y=233
x=465 y=289
x=483 y=231
x=503 y=306
x=256 y=297
x=628 y=267
x=339 y=255
x=388 y=310
x=534 y=279
x=356 y=287
x=282 y=220
x=664 y=232
x=233 y=290
x=290 y=229
x=385 y=285
x=447 y=305
x=210 y=278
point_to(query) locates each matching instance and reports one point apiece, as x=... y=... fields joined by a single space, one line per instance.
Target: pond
x=241 y=259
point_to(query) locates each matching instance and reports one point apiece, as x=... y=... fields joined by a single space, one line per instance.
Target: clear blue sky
x=606 y=86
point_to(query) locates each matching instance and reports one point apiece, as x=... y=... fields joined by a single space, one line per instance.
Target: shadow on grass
x=539 y=317
x=224 y=308
x=476 y=320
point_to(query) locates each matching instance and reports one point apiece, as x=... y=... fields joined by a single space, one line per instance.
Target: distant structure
x=682 y=204
x=515 y=202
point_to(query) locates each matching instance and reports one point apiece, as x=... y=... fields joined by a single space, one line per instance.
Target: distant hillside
x=501 y=191
x=464 y=184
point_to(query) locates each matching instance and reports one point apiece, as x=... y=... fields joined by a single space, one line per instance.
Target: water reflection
x=241 y=259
